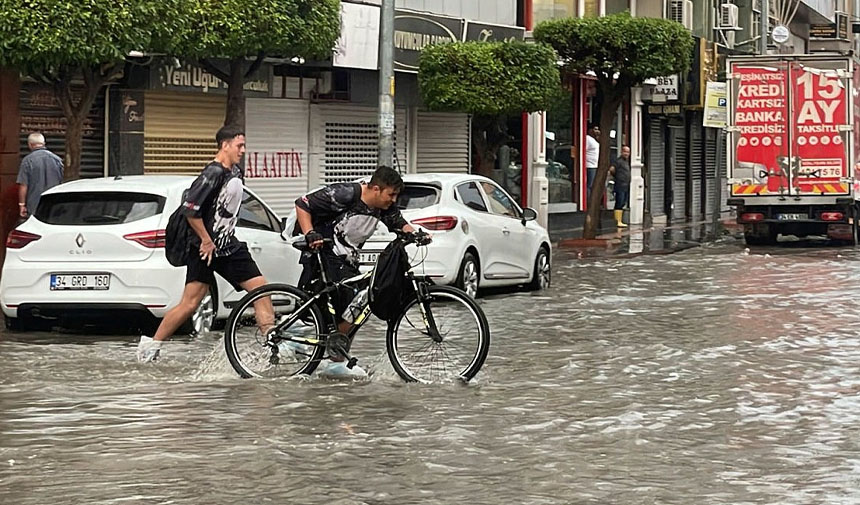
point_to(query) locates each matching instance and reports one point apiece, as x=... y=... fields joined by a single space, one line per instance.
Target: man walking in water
x=211 y=206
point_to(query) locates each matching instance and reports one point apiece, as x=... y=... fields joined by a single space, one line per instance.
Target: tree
x=622 y=51
x=491 y=81
x=237 y=30
x=61 y=42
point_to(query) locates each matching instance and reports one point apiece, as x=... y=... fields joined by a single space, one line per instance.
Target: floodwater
x=715 y=375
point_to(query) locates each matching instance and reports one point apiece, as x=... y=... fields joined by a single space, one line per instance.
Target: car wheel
x=542 y=276
x=470 y=275
x=13 y=323
x=203 y=318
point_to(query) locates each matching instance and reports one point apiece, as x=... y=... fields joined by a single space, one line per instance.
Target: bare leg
x=263 y=306
x=192 y=295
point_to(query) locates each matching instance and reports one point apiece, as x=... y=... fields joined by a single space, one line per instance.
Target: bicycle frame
x=330 y=315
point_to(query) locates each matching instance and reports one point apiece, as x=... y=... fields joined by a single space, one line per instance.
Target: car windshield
x=415 y=196
x=95 y=208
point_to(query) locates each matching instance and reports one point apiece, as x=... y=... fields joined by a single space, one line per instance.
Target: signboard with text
x=413 y=31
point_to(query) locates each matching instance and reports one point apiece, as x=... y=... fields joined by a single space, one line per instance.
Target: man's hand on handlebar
x=314 y=239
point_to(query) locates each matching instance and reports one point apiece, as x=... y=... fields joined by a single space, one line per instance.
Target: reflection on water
x=714 y=375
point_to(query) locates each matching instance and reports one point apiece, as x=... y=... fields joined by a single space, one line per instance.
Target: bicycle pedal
x=351 y=363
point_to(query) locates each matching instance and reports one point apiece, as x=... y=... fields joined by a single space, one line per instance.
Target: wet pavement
x=712 y=375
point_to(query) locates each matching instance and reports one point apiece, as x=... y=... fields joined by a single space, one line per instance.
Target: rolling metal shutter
x=276 y=159
x=179 y=131
x=697 y=168
x=443 y=142
x=710 y=168
x=345 y=142
x=678 y=164
x=41 y=112
x=656 y=168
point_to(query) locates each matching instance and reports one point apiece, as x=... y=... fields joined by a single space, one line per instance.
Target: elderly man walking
x=40 y=170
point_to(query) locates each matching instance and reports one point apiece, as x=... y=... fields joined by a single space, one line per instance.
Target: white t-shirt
x=592 y=151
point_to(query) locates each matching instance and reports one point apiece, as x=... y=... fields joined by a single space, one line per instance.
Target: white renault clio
x=95 y=248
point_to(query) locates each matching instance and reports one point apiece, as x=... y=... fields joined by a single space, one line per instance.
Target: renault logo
x=80 y=240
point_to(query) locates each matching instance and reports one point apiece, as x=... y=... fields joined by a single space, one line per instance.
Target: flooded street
x=710 y=376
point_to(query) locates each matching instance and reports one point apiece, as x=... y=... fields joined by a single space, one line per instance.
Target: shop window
x=592 y=9
x=549 y=9
x=616 y=6
x=560 y=149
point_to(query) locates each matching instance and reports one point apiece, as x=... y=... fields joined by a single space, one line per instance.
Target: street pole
x=718 y=196
x=386 y=85
x=765 y=12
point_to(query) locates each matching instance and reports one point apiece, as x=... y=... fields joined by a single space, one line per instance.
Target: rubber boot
x=619 y=213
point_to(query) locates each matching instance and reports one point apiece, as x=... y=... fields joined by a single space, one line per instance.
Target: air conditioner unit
x=681 y=11
x=729 y=16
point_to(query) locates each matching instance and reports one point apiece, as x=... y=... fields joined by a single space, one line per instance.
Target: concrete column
x=637 y=149
x=539 y=185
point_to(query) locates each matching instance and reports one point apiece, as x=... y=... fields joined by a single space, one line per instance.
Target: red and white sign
x=819 y=110
x=761 y=122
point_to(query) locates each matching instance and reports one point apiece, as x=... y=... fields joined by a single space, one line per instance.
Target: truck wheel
x=760 y=234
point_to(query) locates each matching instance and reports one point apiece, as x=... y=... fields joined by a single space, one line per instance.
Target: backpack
x=389 y=287
x=176 y=243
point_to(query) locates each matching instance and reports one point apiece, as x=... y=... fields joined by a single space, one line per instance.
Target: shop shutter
x=678 y=164
x=656 y=168
x=710 y=169
x=349 y=136
x=697 y=168
x=179 y=131
x=41 y=112
x=443 y=142
x=276 y=159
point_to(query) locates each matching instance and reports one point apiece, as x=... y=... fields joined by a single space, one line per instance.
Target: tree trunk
x=236 y=94
x=610 y=105
x=489 y=133
x=76 y=111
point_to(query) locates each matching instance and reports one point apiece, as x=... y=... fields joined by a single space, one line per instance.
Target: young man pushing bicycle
x=347 y=213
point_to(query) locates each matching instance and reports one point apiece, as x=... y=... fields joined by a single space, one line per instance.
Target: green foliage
x=488 y=78
x=236 y=28
x=619 y=47
x=44 y=36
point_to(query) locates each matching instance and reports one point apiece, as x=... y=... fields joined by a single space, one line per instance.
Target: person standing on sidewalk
x=621 y=171
x=592 y=154
x=211 y=206
x=40 y=170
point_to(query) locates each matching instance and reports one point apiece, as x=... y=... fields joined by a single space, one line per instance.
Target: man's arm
x=207 y=247
x=22 y=200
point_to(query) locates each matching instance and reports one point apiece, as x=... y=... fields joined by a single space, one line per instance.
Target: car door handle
x=256 y=247
x=506 y=231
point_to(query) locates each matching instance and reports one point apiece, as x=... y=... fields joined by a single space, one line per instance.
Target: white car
x=481 y=237
x=96 y=247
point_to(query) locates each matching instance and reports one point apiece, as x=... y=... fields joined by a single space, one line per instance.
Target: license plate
x=793 y=217
x=368 y=258
x=83 y=282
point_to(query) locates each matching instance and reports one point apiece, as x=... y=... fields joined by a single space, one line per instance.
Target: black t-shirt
x=215 y=197
x=337 y=212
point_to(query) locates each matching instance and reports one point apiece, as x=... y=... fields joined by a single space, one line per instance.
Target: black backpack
x=176 y=243
x=389 y=287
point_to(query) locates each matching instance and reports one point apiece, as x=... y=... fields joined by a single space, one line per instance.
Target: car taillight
x=437 y=222
x=151 y=239
x=832 y=216
x=752 y=216
x=18 y=239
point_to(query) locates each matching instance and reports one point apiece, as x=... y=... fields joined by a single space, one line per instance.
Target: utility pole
x=386 y=85
x=765 y=13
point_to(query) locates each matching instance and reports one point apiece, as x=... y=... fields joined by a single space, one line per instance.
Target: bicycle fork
x=426 y=314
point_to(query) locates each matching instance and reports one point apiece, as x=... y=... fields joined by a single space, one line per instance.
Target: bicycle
x=436 y=324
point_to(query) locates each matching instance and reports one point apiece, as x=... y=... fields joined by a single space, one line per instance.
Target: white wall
x=503 y=12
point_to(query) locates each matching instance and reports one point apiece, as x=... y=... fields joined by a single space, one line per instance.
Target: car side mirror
x=529 y=214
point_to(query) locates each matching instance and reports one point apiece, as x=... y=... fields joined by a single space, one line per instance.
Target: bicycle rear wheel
x=465 y=333
x=296 y=350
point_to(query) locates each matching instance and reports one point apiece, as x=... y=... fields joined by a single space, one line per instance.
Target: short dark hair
x=386 y=177
x=591 y=126
x=228 y=132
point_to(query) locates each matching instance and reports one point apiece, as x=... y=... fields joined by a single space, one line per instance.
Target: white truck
x=791 y=145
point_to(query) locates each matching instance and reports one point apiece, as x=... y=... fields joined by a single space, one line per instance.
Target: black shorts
x=337 y=269
x=235 y=268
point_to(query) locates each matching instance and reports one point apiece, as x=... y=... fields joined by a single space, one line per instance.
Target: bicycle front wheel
x=294 y=349
x=464 y=332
